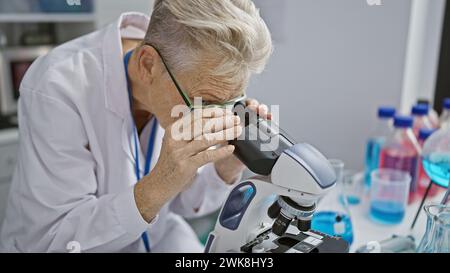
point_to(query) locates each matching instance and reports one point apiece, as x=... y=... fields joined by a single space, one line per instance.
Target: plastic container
x=421 y=120
x=433 y=116
x=383 y=128
x=445 y=116
x=389 y=195
x=401 y=151
x=423 y=181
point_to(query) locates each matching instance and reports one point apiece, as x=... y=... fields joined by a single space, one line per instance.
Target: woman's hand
x=183 y=151
x=230 y=168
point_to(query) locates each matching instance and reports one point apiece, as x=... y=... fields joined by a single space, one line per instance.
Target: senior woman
x=102 y=166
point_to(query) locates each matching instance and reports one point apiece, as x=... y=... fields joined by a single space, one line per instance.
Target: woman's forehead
x=214 y=89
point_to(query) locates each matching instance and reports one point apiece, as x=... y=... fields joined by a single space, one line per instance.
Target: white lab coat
x=75 y=173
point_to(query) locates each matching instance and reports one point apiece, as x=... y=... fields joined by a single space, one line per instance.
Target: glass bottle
x=433 y=116
x=383 y=128
x=421 y=120
x=445 y=116
x=401 y=151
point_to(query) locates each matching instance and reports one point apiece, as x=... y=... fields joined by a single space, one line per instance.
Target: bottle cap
x=425 y=133
x=423 y=101
x=403 y=121
x=420 y=110
x=447 y=103
x=386 y=112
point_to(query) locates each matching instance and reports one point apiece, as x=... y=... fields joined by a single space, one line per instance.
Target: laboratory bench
x=366 y=230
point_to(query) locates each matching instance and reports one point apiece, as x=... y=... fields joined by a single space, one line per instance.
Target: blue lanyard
x=151 y=142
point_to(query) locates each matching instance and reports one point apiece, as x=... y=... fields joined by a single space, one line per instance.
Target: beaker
x=389 y=195
x=437 y=235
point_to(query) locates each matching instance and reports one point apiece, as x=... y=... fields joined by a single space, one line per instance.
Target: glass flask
x=423 y=181
x=436 y=157
x=332 y=216
x=437 y=234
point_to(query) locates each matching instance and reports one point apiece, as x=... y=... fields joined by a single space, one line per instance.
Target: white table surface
x=365 y=230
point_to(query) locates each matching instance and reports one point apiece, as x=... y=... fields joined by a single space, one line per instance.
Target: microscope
x=272 y=211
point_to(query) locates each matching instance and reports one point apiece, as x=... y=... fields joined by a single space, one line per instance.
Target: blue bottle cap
x=447 y=103
x=420 y=110
x=403 y=121
x=423 y=101
x=425 y=133
x=386 y=112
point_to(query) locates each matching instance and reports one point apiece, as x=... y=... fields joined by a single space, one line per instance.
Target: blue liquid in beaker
x=324 y=221
x=387 y=212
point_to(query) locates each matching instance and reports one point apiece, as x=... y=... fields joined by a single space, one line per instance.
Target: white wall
x=424 y=43
x=108 y=10
x=336 y=63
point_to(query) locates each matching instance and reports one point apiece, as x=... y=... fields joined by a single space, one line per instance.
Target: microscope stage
x=303 y=242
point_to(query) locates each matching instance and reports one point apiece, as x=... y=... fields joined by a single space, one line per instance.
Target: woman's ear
x=148 y=60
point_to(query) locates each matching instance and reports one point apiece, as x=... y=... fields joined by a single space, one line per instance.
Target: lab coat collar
x=128 y=25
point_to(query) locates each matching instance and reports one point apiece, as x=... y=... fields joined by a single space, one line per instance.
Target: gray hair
x=227 y=33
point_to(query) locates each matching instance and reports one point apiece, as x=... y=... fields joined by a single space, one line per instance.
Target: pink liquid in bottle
x=401 y=152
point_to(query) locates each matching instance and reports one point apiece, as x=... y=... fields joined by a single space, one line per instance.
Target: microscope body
x=259 y=212
x=244 y=222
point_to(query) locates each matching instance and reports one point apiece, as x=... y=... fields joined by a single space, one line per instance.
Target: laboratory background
x=366 y=82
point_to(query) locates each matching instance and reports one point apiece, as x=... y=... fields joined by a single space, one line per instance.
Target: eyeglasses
x=186 y=98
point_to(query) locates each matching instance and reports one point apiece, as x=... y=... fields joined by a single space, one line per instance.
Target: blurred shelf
x=47 y=17
x=8 y=123
x=8 y=136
